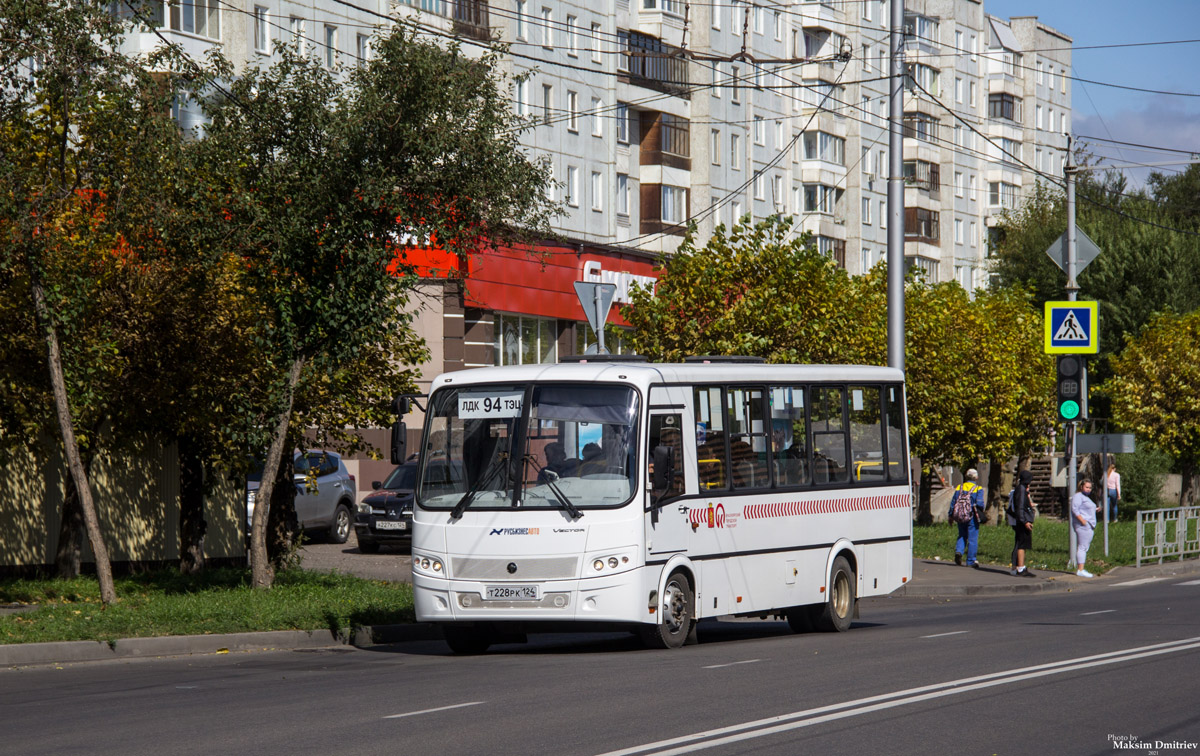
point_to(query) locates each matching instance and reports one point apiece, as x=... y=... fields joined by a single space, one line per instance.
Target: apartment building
x=654 y=113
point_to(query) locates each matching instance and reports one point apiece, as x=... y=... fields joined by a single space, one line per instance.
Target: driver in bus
x=557 y=464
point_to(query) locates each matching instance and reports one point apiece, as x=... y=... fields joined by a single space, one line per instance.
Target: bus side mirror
x=664 y=471
x=399 y=442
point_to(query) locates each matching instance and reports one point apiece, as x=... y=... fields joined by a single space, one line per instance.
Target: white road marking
x=730 y=664
x=1102 y=611
x=819 y=715
x=1141 y=581
x=1190 y=582
x=430 y=711
x=943 y=635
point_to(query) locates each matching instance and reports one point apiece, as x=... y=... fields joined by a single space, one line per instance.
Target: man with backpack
x=967 y=511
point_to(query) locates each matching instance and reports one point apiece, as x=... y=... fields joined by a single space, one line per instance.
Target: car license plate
x=513 y=592
x=391 y=525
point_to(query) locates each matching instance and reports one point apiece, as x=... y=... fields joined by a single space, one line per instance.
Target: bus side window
x=897 y=460
x=666 y=432
x=829 y=435
x=866 y=434
x=712 y=454
x=789 y=452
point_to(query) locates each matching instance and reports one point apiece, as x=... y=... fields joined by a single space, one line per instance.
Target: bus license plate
x=513 y=592
x=391 y=525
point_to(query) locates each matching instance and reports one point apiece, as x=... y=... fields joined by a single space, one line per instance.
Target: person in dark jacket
x=1023 y=529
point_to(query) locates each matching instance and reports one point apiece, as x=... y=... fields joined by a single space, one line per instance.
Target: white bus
x=601 y=494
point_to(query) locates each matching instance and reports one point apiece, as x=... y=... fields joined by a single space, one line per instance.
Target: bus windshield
x=574 y=447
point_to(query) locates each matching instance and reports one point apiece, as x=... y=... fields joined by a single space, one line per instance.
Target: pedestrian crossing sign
x=1072 y=327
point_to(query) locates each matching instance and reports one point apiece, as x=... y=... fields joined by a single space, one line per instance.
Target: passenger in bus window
x=557 y=464
x=593 y=460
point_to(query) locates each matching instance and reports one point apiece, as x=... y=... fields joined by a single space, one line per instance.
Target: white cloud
x=1161 y=124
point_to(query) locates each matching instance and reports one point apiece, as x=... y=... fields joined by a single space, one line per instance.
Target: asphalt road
x=1064 y=673
x=391 y=563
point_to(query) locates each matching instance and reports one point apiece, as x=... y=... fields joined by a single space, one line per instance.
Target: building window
x=330 y=46
x=735 y=212
x=362 y=47
x=572 y=186
x=779 y=135
x=923 y=175
x=958 y=89
x=958 y=231
x=547 y=28
x=971 y=101
x=522 y=97
x=821 y=146
x=622 y=123
x=1003 y=105
x=547 y=103
x=675 y=135
x=759 y=192
x=777 y=197
x=715 y=147
x=833 y=248
x=573 y=112
x=866 y=58
x=735 y=77
x=674 y=204
x=921 y=126
x=868 y=8
x=716 y=14
x=522 y=22
x=296 y=29
x=1001 y=194
x=820 y=198
x=971 y=185
x=597 y=191
x=262 y=30
x=866 y=211
x=1038 y=111
x=883 y=214
x=760 y=132
x=525 y=340
x=922 y=224
x=974 y=235
x=1041 y=77
x=596 y=44
x=622 y=194
x=572 y=37
x=597 y=118
x=201 y=17
x=735 y=151
x=960 y=185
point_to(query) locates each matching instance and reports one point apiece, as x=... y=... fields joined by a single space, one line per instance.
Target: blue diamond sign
x=1072 y=328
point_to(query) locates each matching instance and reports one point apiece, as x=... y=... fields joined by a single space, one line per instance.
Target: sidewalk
x=931 y=577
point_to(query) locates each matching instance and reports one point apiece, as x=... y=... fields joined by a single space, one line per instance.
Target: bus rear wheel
x=836 y=614
x=677 y=616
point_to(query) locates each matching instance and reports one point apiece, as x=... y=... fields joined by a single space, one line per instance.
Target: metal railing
x=1168 y=534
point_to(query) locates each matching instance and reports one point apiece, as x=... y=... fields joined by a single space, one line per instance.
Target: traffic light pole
x=1072 y=295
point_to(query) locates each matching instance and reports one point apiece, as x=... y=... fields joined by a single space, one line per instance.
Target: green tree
x=1155 y=391
x=65 y=97
x=759 y=290
x=320 y=178
x=978 y=384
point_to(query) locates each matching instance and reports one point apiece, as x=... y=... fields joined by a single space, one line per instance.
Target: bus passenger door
x=667 y=523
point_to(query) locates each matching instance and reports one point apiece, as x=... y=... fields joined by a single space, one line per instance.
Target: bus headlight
x=607 y=564
x=427 y=565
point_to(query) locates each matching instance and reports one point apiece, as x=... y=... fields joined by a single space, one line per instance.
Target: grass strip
x=216 y=601
x=1050 y=545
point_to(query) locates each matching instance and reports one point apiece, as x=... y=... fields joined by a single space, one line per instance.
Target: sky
x=1158 y=120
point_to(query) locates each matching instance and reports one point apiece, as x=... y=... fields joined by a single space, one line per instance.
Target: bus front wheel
x=676 y=615
x=836 y=614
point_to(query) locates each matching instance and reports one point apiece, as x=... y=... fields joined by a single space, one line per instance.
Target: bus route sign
x=1072 y=328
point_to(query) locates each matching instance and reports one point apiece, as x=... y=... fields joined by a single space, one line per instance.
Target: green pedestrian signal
x=1071 y=387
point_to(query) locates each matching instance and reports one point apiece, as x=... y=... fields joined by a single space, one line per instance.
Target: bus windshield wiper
x=563 y=499
x=484 y=480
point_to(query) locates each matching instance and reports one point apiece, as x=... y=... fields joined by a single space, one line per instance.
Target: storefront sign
x=593 y=272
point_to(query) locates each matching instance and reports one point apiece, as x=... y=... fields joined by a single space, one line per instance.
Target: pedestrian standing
x=968 y=530
x=1083 y=521
x=1112 y=487
x=1022 y=514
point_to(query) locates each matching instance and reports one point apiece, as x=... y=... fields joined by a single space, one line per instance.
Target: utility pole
x=895 y=236
x=1072 y=295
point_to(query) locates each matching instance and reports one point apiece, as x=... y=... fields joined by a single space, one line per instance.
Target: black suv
x=384 y=517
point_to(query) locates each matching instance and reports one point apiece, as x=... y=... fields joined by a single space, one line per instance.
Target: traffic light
x=1072 y=387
